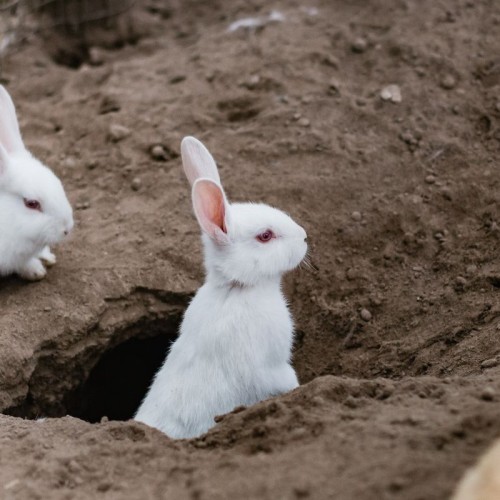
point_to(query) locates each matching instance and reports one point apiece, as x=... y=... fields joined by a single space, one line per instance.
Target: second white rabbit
x=34 y=211
x=236 y=338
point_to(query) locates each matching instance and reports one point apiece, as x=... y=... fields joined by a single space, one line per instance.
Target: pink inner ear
x=210 y=208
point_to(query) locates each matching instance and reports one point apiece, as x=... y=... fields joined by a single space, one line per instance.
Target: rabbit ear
x=10 y=136
x=197 y=161
x=4 y=158
x=211 y=209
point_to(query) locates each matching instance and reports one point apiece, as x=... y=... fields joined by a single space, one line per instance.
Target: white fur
x=235 y=340
x=26 y=234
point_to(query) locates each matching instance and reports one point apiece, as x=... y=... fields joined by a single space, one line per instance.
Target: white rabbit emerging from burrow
x=236 y=338
x=34 y=210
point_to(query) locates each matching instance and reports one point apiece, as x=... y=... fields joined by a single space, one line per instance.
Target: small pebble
x=69 y=162
x=489 y=363
x=304 y=122
x=365 y=314
x=334 y=85
x=118 y=132
x=408 y=137
x=391 y=93
x=83 y=205
x=92 y=164
x=471 y=270
x=96 y=56
x=448 y=82
x=488 y=393
x=158 y=152
x=460 y=283
x=356 y=216
x=252 y=82
x=446 y=192
x=359 y=45
x=136 y=184
x=430 y=179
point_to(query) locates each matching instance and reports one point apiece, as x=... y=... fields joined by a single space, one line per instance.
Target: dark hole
x=120 y=380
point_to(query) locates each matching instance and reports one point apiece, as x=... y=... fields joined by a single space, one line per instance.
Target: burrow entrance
x=108 y=381
x=120 y=380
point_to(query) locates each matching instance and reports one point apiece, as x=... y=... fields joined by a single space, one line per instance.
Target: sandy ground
x=397 y=329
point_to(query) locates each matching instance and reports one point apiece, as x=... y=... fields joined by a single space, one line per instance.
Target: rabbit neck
x=217 y=280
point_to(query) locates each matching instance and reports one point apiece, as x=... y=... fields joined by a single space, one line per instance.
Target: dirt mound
x=397 y=325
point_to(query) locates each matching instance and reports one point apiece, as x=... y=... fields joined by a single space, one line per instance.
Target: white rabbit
x=34 y=210
x=235 y=340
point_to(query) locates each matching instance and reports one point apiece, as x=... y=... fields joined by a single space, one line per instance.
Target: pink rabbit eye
x=266 y=236
x=33 y=204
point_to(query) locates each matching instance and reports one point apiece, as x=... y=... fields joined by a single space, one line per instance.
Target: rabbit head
x=245 y=243
x=31 y=195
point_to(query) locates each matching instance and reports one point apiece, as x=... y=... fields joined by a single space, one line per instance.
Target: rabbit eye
x=33 y=204
x=266 y=236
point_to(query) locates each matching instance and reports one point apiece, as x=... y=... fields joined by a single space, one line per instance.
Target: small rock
x=118 y=132
x=304 y=122
x=158 y=153
x=446 y=192
x=252 y=82
x=365 y=314
x=352 y=274
x=489 y=363
x=334 y=85
x=359 y=45
x=92 y=164
x=448 y=82
x=471 y=270
x=69 y=162
x=136 y=184
x=356 y=216
x=488 y=393
x=96 y=56
x=391 y=93
x=460 y=283
x=82 y=205
x=430 y=179
x=408 y=137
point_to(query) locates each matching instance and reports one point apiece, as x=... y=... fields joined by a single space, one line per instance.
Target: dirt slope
x=401 y=204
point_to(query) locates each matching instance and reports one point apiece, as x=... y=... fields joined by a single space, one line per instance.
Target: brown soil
x=401 y=203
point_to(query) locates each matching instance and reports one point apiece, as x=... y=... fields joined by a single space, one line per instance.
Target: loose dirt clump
x=376 y=126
